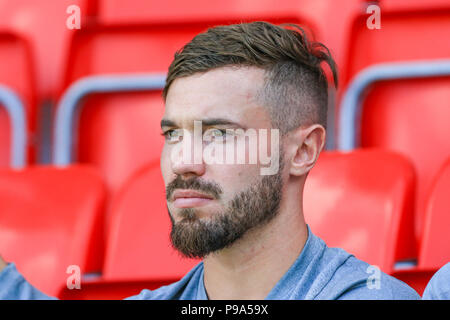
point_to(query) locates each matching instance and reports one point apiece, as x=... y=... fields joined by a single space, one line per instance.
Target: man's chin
x=191 y=214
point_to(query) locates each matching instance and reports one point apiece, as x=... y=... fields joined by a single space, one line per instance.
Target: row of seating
x=115 y=128
x=53 y=217
x=118 y=132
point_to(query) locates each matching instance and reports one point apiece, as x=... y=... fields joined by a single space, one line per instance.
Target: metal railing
x=16 y=112
x=70 y=103
x=350 y=109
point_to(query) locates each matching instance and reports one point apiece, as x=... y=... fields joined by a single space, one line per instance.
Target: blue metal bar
x=350 y=110
x=16 y=112
x=70 y=102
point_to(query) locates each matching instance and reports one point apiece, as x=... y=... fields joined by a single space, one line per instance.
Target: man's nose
x=185 y=169
x=187 y=159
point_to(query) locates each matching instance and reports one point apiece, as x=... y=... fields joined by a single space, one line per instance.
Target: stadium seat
x=44 y=25
x=138 y=250
x=435 y=246
x=362 y=201
x=434 y=249
x=51 y=218
x=409 y=31
x=404 y=115
x=410 y=117
x=33 y=53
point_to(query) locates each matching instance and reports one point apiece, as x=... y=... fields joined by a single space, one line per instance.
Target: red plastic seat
x=435 y=243
x=138 y=253
x=362 y=202
x=434 y=249
x=43 y=24
x=33 y=53
x=409 y=31
x=51 y=218
x=405 y=115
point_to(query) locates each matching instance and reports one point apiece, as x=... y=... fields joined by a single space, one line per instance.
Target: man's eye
x=214 y=133
x=218 y=132
x=172 y=134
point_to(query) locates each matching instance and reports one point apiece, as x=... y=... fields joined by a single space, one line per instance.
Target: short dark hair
x=295 y=89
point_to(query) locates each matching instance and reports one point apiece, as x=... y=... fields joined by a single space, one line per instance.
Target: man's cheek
x=165 y=164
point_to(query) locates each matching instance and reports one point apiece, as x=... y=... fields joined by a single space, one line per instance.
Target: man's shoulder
x=355 y=279
x=13 y=286
x=168 y=292
x=439 y=286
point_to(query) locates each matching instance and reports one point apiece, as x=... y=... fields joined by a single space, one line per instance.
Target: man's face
x=212 y=205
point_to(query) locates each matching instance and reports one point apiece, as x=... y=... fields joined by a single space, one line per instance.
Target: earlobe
x=310 y=142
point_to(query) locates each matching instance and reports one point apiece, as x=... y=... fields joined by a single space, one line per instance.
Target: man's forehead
x=227 y=93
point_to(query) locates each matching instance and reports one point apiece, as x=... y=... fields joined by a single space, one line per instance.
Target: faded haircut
x=295 y=89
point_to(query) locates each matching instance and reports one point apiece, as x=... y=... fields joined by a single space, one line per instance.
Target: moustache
x=211 y=188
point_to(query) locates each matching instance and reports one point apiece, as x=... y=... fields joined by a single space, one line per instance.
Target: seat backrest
x=408 y=32
x=405 y=115
x=361 y=201
x=51 y=218
x=435 y=243
x=410 y=117
x=138 y=242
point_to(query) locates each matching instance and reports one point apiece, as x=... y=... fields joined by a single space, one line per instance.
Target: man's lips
x=190 y=198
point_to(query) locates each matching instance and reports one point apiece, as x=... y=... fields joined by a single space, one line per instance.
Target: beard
x=254 y=207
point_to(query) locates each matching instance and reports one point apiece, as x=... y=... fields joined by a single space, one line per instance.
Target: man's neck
x=252 y=266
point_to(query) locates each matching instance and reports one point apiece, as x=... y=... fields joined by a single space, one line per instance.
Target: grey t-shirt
x=319 y=272
x=439 y=286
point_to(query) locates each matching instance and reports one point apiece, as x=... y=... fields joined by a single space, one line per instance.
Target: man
x=246 y=223
x=439 y=286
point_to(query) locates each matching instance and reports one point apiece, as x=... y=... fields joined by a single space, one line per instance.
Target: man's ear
x=310 y=142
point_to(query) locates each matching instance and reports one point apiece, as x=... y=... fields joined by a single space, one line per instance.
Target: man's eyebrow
x=167 y=123
x=220 y=121
x=205 y=122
